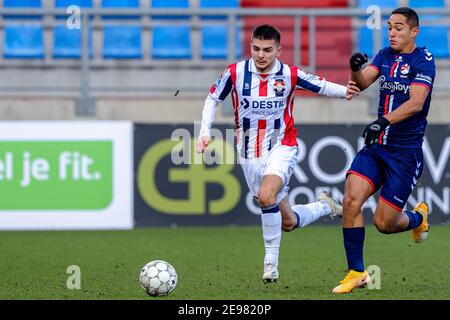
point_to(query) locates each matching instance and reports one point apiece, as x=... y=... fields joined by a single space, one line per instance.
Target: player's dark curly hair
x=267 y=32
x=411 y=16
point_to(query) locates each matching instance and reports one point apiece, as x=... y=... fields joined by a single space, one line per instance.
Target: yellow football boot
x=420 y=233
x=352 y=280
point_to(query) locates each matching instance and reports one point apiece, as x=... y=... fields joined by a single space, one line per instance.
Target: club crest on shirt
x=279 y=86
x=404 y=69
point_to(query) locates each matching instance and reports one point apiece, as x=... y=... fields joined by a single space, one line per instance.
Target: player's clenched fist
x=373 y=131
x=357 y=60
x=202 y=144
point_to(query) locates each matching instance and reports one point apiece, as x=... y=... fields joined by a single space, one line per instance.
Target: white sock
x=308 y=213
x=271 y=228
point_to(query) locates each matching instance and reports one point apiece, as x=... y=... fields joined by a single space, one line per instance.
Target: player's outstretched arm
x=208 y=117
x=362 y=78
x=352 y=90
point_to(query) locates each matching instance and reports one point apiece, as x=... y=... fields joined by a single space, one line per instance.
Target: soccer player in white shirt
x=263 y=91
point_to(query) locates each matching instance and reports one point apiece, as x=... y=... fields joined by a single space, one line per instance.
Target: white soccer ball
x=158 y=278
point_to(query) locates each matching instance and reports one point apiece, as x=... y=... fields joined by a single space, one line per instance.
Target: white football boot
x=336 y=208
x=270 y=273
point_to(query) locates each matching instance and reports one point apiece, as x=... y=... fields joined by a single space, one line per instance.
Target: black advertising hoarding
x=174 y=188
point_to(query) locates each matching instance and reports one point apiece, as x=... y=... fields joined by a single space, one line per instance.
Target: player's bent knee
x=266 y=199
x=351 y=202
x=383 y=226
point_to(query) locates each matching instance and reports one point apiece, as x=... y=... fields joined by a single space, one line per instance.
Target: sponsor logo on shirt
x=393 y=86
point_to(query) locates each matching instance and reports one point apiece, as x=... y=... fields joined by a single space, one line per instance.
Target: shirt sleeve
x=424 y=71
x=208 y=116
x=222 y=86
x=319 y=85
x=376 y=61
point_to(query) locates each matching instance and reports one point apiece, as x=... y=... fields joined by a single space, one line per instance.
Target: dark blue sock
x=415 y=219
x=354 y=245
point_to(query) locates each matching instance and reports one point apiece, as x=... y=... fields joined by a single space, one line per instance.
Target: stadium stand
x=439 y=45
x=171 y=41
x=23 y=41
x=66 y=41
x=161 y=52
x=333 y=36
x=214 y=34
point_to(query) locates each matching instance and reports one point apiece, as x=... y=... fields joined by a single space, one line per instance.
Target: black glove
x=357 y=60
x=372 y=131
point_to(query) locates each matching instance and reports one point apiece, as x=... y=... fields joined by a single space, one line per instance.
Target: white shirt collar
x=276 y=67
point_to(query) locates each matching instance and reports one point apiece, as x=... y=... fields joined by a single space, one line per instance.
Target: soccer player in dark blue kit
x=392 y=158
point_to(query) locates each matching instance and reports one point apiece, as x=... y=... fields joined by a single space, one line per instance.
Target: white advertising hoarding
x=66 y=175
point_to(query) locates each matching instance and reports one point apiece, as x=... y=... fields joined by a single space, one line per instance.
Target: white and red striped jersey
x=263 y=103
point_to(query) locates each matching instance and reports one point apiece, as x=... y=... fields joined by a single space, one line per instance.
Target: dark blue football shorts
x=396 y=170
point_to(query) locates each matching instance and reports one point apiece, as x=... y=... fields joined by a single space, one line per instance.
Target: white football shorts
x=279 y=161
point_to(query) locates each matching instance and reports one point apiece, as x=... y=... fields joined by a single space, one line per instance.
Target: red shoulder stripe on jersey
x=393 y=69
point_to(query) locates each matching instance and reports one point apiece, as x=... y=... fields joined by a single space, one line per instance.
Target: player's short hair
x=411 y=16
x=267 y=32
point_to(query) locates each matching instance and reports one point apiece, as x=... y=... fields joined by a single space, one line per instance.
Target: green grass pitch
x=218 y=263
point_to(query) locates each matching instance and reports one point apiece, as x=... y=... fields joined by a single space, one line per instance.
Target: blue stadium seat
x=122 y=42
x=171 y=42
x=23 y=41
x=218 y=4
x=170 y=4
x=67 y=43
x=214 y=40
x=365 y=40
x=214 y=36
x=435 y=38
x=380 y=3
x=428 y=4
x=17 y=4
x=120 y=3
x=22 y=3
x=67 y=3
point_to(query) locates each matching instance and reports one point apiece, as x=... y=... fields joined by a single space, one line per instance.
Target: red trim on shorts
x=391 y=204
x=362 y=176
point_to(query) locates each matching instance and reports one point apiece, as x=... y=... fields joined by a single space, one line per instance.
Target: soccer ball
x=158 y=278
